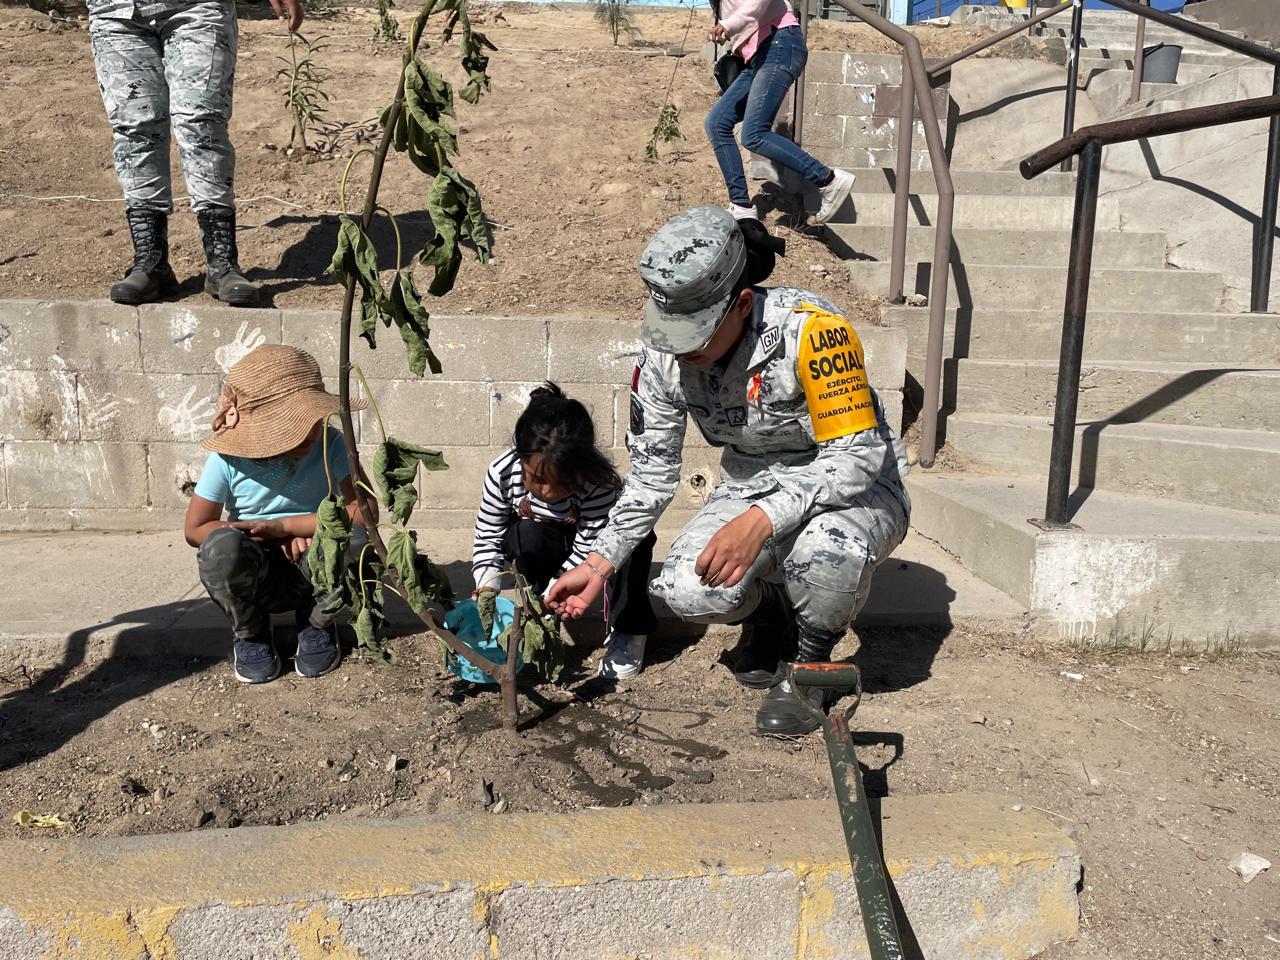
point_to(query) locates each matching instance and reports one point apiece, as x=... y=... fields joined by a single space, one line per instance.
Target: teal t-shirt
x=275 y=488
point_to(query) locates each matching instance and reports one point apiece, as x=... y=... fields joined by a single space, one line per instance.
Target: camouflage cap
x=690 y=267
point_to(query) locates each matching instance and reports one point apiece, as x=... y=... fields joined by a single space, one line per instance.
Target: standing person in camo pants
x=163 y=63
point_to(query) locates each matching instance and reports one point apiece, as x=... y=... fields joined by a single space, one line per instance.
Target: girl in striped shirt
x=543 y=503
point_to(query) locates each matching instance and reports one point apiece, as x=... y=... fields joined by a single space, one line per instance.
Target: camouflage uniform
x=838 y=507
x=163 y=64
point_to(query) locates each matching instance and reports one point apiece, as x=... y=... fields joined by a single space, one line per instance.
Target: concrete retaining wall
x=750 y=881
x=102 y=407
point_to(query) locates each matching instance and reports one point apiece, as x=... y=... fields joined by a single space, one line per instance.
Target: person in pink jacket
x=766 y=35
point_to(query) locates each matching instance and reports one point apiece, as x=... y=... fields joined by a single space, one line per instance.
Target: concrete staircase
x=1179 y=421
x=1178 y=435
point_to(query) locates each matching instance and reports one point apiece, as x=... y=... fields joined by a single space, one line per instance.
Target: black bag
x=728 y=66
x=727 y=69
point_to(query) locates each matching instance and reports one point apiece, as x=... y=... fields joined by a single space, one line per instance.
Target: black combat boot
x=779 y=714
x=150 y=277
x=224 y=280
x=768 y=638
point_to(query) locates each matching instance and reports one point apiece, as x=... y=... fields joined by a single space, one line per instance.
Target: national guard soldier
x=165 y=63
x=810 y=499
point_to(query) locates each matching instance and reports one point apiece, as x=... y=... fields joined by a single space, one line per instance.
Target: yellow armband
x=831 y=369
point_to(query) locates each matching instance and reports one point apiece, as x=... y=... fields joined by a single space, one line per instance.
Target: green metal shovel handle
x=869 y=879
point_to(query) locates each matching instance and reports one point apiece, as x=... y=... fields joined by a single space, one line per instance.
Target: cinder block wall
x=851 y=110
x=102 y=407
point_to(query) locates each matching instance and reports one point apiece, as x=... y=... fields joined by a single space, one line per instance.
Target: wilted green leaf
x=474 y=60
x=356 y=257
x=423 y=582
x=428 y=100
x=487 y=609
x=412 y=318
x=329 y=546
x=456 y=213
x=367 y=595
x=395 y=467
x=542 y=646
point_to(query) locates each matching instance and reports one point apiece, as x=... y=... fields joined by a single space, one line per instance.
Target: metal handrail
x=1153 y=125
x=1088 y=143
x=1195 y=29
x=991 y=41
x=916 y=91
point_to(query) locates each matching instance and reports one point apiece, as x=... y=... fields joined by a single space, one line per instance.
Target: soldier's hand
x=290 y=10
x=573 y=594
x=730 y=553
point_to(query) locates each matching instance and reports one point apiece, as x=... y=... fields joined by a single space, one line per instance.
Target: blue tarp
x=924 y=9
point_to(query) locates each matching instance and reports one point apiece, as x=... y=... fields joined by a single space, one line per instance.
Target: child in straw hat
x=273 y=461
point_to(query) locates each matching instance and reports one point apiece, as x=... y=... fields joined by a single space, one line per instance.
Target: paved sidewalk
x=83 y=597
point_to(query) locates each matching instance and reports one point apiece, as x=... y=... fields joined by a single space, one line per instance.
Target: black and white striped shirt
x=499 y=509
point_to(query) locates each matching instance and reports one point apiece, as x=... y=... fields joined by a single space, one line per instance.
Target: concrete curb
x=751 y=881
x=145 y=599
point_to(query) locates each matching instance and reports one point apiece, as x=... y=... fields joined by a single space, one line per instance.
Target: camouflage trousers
x=174 y=70
x=250 y=580
x=826 y=565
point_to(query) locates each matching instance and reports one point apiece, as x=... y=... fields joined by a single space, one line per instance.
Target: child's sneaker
x=623 y=655
x=256 y=660
x=833 y=195
x=744 y=213
x=317 y=652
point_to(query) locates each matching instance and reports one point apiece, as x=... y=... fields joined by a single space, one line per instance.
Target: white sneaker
x=623 y=656
x=833 y=195
x=743 y=213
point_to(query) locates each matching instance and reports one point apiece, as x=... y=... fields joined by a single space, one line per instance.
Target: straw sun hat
x=270 y=402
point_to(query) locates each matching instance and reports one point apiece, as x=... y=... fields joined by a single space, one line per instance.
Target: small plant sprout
x=304 y=94
x=614 y=16
x=387 y=30
x=666 y=130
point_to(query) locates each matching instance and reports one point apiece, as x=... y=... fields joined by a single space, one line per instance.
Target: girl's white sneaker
x=623 y=656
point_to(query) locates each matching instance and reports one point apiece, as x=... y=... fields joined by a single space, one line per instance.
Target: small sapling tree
x=419 y=123
x=387 y=30
x=304 y=94
x=667 y=129
x=616 y=18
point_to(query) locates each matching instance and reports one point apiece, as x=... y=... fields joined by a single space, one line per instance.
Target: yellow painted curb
x=975 y=877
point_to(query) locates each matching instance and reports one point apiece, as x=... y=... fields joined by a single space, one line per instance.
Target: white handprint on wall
x=245 y=341
x=189 y=418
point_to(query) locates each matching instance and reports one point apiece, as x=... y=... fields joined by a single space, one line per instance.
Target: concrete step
x=1188 y=73
x=1109 y=335
x=1124 y=51
x=992 y=212
x=996 y=183
x=1020 y=287
x=1138 y=570
x=858 y=241
x=1148 y=459
x=1199 y=395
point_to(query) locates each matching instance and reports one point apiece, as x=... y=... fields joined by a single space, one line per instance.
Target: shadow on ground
x=40 y=718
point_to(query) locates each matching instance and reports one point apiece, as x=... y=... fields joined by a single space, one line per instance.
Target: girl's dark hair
x=559 y=429
x=763 y=250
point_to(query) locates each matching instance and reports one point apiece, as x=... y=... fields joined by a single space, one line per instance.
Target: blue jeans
x=753 y=100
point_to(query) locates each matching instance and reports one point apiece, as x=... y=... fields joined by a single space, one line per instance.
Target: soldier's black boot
x=150 y=277
x=768 y=638
x=779 y=714
x=224 y=280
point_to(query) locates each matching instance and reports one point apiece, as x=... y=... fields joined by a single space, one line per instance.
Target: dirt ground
x=557 y=150
x=1163 y=767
